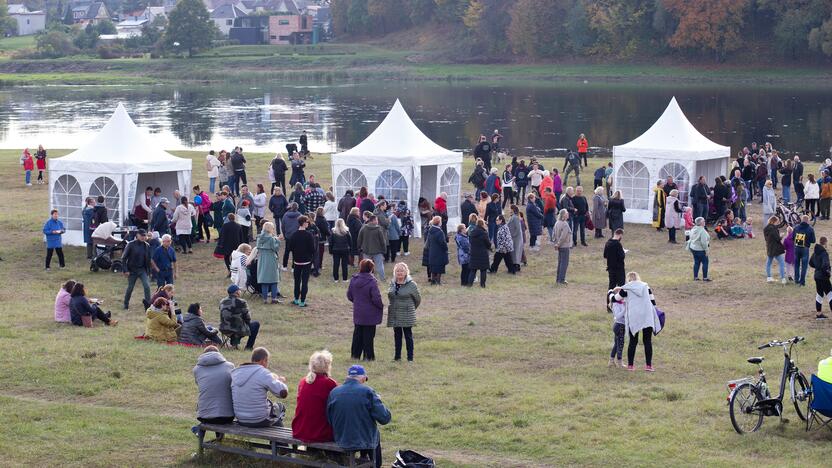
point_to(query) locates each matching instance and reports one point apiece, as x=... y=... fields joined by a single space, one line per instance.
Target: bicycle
x=750 y=402
x=790 y=213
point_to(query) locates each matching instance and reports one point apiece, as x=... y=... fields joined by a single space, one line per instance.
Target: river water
x=540 y=119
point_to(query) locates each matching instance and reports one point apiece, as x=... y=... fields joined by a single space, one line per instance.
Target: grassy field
x=355 y=62
x=11 y=44
x=513 y=375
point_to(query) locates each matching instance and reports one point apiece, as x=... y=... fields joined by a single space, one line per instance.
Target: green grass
x=513 y=375
x=10 y=44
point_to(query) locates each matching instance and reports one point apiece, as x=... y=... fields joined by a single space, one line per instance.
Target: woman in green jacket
x=699 y=244
x=404 y=300
x=268 y=275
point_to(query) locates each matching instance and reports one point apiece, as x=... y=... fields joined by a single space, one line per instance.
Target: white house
x=224 y=15
x=28 y=22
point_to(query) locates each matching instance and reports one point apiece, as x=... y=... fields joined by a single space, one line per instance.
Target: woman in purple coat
x=367 y=310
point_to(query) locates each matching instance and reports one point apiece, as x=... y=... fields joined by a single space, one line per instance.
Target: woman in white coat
x=182 y=224
x=811 y=195
x=212 y=165
x=673 y=215
x=769 y=200
x=640 y=315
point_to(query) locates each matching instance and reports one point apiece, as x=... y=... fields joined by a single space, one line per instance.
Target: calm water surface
x=537 y=119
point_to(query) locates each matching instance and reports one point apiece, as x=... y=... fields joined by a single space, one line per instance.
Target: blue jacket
x=159 y=221
x=804 y=235
x=88 y=215
x=53 y=241
x=463 y=249
x=491 y=185
x=353 y=409
x=394 y=230
x=437 y=247
x=534 y=218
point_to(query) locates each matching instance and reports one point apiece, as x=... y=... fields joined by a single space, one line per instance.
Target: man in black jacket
x=136 y=261
x=820 y=262
x=159 y=220
x=699 y=195
x=467 y=208
x=483 y=151
x=614 y=253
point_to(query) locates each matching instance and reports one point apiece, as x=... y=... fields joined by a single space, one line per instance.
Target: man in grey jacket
x=212 y=374
x=250 y=386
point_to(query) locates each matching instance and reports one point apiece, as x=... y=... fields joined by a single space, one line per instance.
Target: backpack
x=521 y=174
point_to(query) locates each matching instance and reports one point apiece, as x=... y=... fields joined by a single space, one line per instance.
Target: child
x=721 y=230
x=798 y=189
x=749 y=228
x=463 y=254
x=737 y=230
x=788 y=244
x=28 y=165
x=616 y=308
x=688 y=217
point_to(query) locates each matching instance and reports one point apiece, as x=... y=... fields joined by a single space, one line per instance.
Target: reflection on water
x=536 y=119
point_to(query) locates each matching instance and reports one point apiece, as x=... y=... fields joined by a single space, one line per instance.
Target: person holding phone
x=53 y=229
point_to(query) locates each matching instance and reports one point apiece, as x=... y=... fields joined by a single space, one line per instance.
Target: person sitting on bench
x=235 y=319
x=212 y=374
x=250 y=385
x=310 y=423
x=353 y=409
x=103 y=234
x=194 y=330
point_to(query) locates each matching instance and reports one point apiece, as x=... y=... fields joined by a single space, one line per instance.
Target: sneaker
x=301 y=304
x=820 y=317
x=295 y=302
x=619 y=363
x=276 y=301
x=283 y=268
x=407 y=254
x=769 y=280
x=707 y=280
x=336 y=281
x=695 y=278
x=611 y=363
x=47 y=269
x=649 y=369
x=631 y=368
x=783 y=281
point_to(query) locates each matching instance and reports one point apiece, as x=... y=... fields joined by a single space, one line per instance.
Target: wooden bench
x=279 y=446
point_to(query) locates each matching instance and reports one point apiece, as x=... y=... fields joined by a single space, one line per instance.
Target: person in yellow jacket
x=659 y=201
x=160 y=324
x=825 y=369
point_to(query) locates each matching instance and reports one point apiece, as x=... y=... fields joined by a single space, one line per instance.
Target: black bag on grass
x=411 y=459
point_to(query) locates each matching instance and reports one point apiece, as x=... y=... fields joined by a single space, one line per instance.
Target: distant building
x=224 y=16
x=290 y=29
x=83 y=12
x=250 y=30
x=28 y=22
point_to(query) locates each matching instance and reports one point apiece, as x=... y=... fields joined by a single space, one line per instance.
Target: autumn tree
x=386 y=15
x=419 y=11
x=708 y=25
x=621 y=28
x=820 y=38
x=358 y=17
x=536 y=28
x=487 y=21
x=450 y=11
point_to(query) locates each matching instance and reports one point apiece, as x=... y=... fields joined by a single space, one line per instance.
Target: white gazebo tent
x=399 y=162
x=671 y=147
x=118 y=163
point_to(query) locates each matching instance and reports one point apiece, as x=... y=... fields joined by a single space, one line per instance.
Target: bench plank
x=275 y=434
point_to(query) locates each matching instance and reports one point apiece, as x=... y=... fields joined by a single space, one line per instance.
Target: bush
x=110 y=51
x=55 y=44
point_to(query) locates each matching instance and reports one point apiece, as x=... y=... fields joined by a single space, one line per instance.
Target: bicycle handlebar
x=796 y=339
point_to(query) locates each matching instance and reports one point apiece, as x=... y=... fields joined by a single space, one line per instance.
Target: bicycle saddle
x=755 y=360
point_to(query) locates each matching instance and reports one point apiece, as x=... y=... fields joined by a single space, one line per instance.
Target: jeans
x=780 y=261
x=801 y=265
x=363 y=337
x=301 y=273
x=563 y=264
x=812 y=207
x=378 y=259
x=508 y=197
x=760 y=184
x=241 y=177
x=59 y=251
x=276 y=414
x=164 y=277
x=700 y=258
x=579 y=224
x=339 y=258
x=266 y=288
x=234 y=183
x=532 y=240
x=212 y=183
x=131 y=282
x=618 y=341
x=647 y=336
x=570 y=169
x=700 y=209
x=408 y=340
x=483 y=276
x=374 y=455
x=28 y=177
x=202 y=225
x=774 y=178
x=254 y=329
x=787 y=195
x=749 y=189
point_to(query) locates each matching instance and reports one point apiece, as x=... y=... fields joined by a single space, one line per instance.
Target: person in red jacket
x=440 y=208
x=310 y=423
x=583 y=145
x=28 y=165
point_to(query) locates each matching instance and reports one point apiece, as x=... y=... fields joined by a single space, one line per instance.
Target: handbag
x=589 y=224
x=661 y=315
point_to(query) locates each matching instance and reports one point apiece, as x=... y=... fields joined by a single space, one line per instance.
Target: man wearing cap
x=235 y=319
x=136 y=261
x=163 y=262
x=159 y=221
x=353 y=409
x=250 y=387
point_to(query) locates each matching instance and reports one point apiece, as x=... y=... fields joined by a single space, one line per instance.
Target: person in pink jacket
x=62 y=314
x=28 y=165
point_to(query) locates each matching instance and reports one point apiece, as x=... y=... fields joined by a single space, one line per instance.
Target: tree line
x=717 y=30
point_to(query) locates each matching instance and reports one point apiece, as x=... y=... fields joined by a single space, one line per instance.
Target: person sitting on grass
x=212 y=374
x=235 y=319
x=310 y=423
x=62 y=300
x=250 y=385
x=737 y=230
x=160 y=324
x=353 y=409
x=194 y=331
x=80 y=307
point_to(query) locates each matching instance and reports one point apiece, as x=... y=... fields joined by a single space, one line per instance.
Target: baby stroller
x=105 y=259
x=820 y=405
x=252 y=286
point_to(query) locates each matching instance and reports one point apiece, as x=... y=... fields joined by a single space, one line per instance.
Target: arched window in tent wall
x=106 y=187
x=67 y=199
x=392 y=186
x=634 y=183
x=449 y=183
x=350 y=179
x=680 y=177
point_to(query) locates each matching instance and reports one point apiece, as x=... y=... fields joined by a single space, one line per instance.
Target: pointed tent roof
x=397 y=140
x=672 y=136
x=120 y=147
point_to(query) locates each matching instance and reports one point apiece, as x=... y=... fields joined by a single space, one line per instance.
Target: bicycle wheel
x=801 y=396
x=744 y=417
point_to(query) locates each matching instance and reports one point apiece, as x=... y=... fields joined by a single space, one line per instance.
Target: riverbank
x=339 y=63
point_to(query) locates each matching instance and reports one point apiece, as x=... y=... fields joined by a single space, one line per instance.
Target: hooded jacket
x=159 y=326
x=194 y=330
x=480 y=246
x=250 y=386
x=212 y=375
x=372 y=239
x=367 y=307
x=641 y=311
x=289 y=223
x=820 y=262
